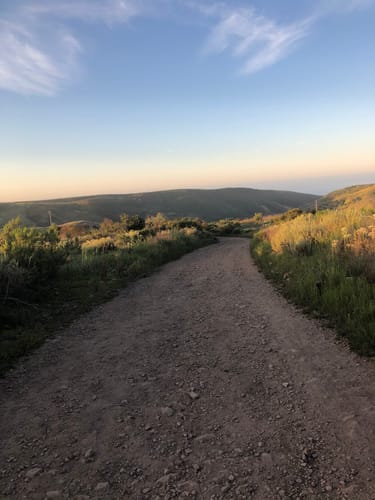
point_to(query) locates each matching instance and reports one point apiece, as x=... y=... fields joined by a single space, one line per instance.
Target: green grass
x=324 y=285
x=80 y=284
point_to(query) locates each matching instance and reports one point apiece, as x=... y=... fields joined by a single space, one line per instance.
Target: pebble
x=165 y=479
x=101 y=486
x=89 y=455
x=193 y=395
x=168 y=411
x=33 y=472
x=53 y=494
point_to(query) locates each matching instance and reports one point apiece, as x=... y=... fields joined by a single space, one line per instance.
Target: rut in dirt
x=197 y=382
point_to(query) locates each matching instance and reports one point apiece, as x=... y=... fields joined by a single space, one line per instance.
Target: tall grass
x=325 y=263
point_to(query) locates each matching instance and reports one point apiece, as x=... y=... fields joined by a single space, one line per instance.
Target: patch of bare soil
x=197 y=382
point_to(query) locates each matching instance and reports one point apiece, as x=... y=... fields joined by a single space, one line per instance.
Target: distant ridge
x=362 y=196
x=206 y=204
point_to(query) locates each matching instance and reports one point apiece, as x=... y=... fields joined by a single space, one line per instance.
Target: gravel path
x=197 y=382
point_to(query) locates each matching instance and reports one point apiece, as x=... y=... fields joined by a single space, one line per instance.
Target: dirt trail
x=197 y=382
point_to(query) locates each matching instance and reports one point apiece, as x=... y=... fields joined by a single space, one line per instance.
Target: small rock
x=204 y=438
x=53 y=494
x=168 y=411
x=165 y=479
x=189 y=486
x=148 y=427
x=193 y=395
x=33 y=472
x=285 y=384
x=89 y=455
x=101 y=486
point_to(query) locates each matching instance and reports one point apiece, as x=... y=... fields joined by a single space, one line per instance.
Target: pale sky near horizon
x=117 y=96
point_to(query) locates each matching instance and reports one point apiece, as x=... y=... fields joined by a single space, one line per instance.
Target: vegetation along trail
x=197 y=382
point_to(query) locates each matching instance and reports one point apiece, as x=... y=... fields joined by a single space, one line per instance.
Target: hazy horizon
x=120 y=96
x=292 y=186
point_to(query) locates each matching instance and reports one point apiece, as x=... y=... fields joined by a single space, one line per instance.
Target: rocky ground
x=197 y=382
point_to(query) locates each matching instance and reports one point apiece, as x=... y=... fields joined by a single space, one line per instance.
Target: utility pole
x=50 y=217
x=316 y=206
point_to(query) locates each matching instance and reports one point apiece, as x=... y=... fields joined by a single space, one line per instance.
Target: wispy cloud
x=39 y=54
x=25 y=65
x=258 y=41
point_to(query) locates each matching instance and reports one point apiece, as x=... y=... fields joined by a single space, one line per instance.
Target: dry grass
x=326 y=263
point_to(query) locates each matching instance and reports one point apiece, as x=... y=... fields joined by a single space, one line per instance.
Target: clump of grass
x=325 y=263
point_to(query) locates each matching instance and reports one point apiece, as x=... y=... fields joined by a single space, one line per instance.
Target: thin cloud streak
x=259 y=41
x=25 y=66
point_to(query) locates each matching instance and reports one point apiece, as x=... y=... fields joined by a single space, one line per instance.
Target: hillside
x=355 y=196
x=205 y=204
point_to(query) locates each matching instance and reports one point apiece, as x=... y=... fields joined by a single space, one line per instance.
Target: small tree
x=258 y=217
x=157 y=222
x=132 y=222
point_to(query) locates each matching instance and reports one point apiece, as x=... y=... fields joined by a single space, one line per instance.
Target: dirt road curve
x=198 y=382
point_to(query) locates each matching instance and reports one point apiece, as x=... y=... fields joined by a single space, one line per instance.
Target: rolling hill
x=203 y=203
x=356 y=196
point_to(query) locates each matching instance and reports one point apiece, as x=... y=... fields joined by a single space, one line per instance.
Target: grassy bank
x=325 y=262
x=47 y=281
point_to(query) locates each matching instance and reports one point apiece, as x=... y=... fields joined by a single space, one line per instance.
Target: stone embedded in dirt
x=285 y=384
x=193 y=395
x=204 y=438
x=101 y=486
x=33 y=472
x=189 y=486
x=168 y=411
x=89 y=455
x=53 y=494
x=166 y=478
x=148 y=427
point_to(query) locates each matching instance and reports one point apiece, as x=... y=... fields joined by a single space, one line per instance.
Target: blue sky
x=118 y=96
